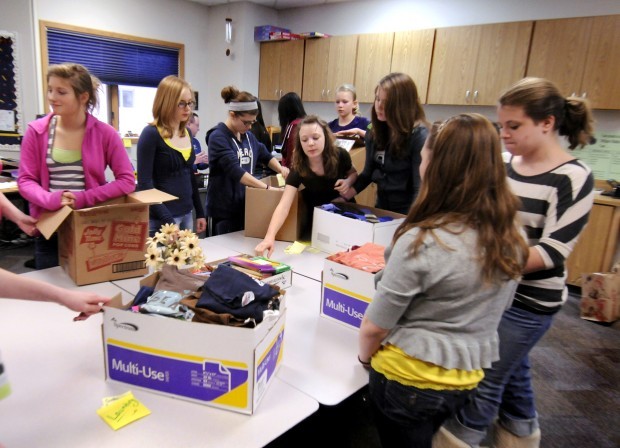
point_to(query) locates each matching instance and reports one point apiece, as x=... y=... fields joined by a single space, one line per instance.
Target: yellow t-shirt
x=185 y=152
x=396 y=365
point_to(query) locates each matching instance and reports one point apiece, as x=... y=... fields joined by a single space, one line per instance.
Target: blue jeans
x=408 y=416
x=506 y=390
x=184 y=222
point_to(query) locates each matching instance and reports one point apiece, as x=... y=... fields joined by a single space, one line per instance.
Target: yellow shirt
x=396 y=365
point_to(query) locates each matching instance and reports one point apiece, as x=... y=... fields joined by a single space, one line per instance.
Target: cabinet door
x=341 y=68
x=454 y=65
x=501 y=61
x=589 y=252
x=316 y=61
x=412 y=55
x=558 y=52
x=291 y=66
x=374 y=58
x=601 y=80
x=269 y=71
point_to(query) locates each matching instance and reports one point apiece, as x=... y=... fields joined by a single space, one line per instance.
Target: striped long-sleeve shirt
x=554 y=210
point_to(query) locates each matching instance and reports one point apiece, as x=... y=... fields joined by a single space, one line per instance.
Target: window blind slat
x=113 y=61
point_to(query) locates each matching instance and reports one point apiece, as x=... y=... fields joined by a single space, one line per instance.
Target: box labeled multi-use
x=333 y=232
x=106 y=242
x=260 y=204
x=215 y=365
x=346 y=293
x=600 y=297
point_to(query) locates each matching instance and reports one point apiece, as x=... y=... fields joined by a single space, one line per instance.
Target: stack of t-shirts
x=369 y=257
x=230 y=291
x=354 y=212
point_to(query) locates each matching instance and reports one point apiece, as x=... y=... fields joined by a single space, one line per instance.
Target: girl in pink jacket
x=64 y=155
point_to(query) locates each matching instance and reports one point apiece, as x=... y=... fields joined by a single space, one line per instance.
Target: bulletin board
x=10 y=102
x=603 y=157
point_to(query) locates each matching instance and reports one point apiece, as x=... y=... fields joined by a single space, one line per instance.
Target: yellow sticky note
x=122 y=410
x=127 y=142
x=280 y=179
x=295 y=248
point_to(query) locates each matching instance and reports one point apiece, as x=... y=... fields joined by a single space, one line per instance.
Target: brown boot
x=445 y=439
x=502 y=438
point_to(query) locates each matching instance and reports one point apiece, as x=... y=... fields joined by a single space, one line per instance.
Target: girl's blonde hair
x=350 y=88
x=166 y=104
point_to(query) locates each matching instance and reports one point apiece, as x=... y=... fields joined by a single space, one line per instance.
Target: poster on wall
x=603 y=157
x=11 y=126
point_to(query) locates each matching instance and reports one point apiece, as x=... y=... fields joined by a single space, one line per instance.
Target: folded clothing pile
x=226 y=297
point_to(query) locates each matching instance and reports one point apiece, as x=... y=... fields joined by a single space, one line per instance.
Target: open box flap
x=49 y=222
x=151 y=196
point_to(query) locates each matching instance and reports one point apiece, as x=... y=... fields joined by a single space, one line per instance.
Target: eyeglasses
x=248 y=122
x=183 y=104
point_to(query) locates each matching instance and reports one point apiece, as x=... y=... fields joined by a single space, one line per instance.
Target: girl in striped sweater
x=556 y=192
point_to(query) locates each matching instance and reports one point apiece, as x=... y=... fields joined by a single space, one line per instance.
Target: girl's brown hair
x=80 y=79
x=231 y=93
x=540 y=98
x=465 y=183
x=330 y=151
x=166 y=104
x=403 y=111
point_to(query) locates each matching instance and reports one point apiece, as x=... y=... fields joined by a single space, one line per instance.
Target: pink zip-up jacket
x=102 y=147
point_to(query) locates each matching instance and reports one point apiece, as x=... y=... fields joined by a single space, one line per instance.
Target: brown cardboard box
x=600 y=297
x=106 y=242
x=260 y=204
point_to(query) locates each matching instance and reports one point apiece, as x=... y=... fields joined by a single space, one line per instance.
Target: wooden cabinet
x=328 y=63
x=598 y=244
x=412 y=55
x=374 y=59
x=473 y=64
x=581 y=55
x=281 y=68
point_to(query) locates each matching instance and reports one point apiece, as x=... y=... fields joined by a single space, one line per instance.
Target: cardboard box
x=106 y=242
x=261 y=33
x=214 y=365
x=600 y=297
x=260 y=204
x=333 y=233
x=346 y=293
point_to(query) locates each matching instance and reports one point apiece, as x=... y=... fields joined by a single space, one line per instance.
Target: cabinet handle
x=276 y=93
x=467 y=93
x=322 y=93
x=328 y=93
x=584 y=95
x=572 y=94
x=475 y=96
x=280 y=93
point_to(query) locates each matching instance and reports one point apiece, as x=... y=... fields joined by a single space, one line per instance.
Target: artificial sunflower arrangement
x=174 y=246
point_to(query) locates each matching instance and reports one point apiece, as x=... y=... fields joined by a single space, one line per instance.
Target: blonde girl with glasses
x=166 y=158
x=65 y=154
x=234 y=154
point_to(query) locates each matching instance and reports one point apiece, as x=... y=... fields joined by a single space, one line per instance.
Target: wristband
x=365 y=364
